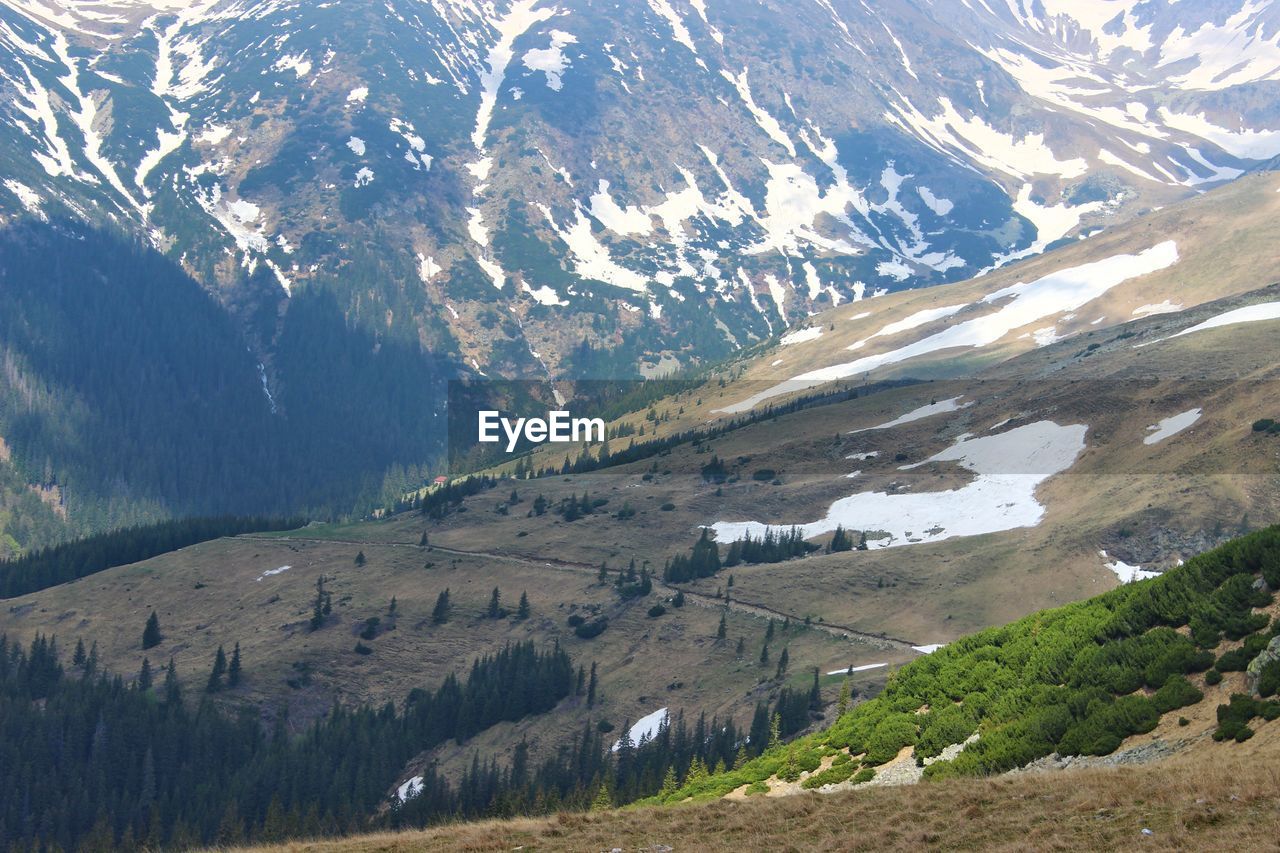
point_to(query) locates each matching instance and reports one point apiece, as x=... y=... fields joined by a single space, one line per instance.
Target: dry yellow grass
x=1230 y=801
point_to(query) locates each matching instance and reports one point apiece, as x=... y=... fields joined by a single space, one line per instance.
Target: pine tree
x=422 y=542
x=842 y=704
x=783 y=660
x=440 y=613
x=764 y=655
x=79 y=657
x=722 y=628
x=391 y=608
x=775 y=729
x=360 y=558
x=91 y=662
x=815 y=693
x=768 y=632
x=591 y=687
x=742 y=647
x=217 y=673
x=603 y=575
x=522 y=611
x=233 y=671
x=172 y=690
x=668 y=781
x=144 y=676
x=678 y=600
x=151 y=635
x=495 y=604
x=602 y=801
x=318 y=607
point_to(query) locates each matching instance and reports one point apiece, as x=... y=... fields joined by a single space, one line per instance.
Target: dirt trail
x=880 y=641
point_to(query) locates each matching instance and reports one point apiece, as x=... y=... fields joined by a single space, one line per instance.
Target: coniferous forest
x=201 y=428
x=89 y=760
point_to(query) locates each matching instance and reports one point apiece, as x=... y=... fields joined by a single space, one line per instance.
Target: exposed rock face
x=1269 y=655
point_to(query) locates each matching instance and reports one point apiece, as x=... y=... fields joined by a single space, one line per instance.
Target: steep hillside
x=1150 y=674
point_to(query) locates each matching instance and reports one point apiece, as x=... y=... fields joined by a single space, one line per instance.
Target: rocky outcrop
x=1269 y=655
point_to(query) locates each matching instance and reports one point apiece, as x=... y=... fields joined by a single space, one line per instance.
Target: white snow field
x=929 y=648
x=921 y=413
x=1125 y=572
x=1020 y=305
x=1171 y=426
x=862 y=668
x=645 y=727
x=410 y=789
x=799 y=336
x=1248 y=314
x=1009 y=467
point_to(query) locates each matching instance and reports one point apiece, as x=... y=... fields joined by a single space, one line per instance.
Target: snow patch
x=1009 y=468
x=1171 y=426
x=1127 y=573
x=1248 y=314
x=645 y=728
x=1165 y=307
x=269 y=572
x=1057 y=293
x=863 y=668
x=952 y=405
x=800 y=336
x=551 y=61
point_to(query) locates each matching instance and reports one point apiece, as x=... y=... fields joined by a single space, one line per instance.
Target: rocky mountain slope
x=664 y=181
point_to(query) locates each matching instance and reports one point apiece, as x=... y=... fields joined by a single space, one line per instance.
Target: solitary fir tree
x=217 y=673
x=522 y=611
x=440 y=613
x=783 y=660
x=842 y=703
x=172 y=690
x=764 y=655
x=233 y=671
x=495 y=605
x=591 y=687
x=721 y=629
x=319 y=607
x=151 y=636
x=360 y=558
x=144 y=676
x=78 y=658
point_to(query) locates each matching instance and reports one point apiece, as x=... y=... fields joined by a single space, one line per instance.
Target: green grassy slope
x=1075 y=680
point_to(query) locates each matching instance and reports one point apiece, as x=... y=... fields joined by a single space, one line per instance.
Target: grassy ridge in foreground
x=1068 y=680
x=1229 y=803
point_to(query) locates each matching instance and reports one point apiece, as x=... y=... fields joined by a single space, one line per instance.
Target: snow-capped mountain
x=570 y=186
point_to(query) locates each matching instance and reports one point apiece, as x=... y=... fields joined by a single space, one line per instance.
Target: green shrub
x=889 y=737
x=1269 y=679
x=866 y=774
x=833 y=775
x=1177 y=692
x=1213 y=677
